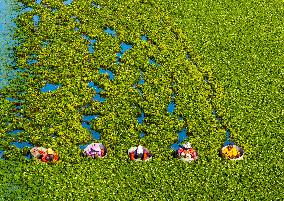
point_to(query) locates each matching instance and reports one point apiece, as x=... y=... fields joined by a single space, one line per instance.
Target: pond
x=7 y=28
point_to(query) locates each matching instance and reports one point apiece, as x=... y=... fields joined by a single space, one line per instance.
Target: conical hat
x=50 y=151
x=187 y=145
x=140 y=149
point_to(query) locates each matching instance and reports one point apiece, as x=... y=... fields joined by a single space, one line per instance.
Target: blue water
x=171 y=107
x=91 y=47
x=95 y=87
x=123 y=48
x=86 y=124
x=153 y=62
x=98 y=97
x=89 y=118
x=7 y=29
x=36 y=20
x=38 y=1
x=181 y=136
x=108 y=72
x=68 y=2
x=76 y=19
x=144 y=37
x=110 y=31
x=1 y=154
x=49 y=87
x=141 y=80
x=14 y=132
x=32 y=61
x=27 y=9
x=12 y=99
x=141 y=118
x=21 y=145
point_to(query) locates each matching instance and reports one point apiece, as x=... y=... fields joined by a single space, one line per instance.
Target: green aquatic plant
x=65 y=60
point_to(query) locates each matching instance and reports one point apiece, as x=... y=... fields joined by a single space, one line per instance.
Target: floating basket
x=133 y=149
x=239 y=149
x=95 y=147
x=186 y=159
x=39 y=153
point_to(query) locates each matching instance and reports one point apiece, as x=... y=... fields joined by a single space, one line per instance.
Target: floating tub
x=240 y=150
x=93 y=148
x=133 y=149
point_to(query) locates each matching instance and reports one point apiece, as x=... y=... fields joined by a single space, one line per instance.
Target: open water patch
x=49 y=87
x=7 y=30
x=32 y=61
x=228 y=138
x=36 y=19
x=144 y=38
x=1 y=154
x=15 y=132
x=89 y=118
x=86 y=125
x=110 y=31
x=67 y=2
x=152 y=61
x=181 y=136
x=83 y=146
x=27 y=9
x=95 y=87
x=172 y=105
x=21 y=145
x=38 y=1
x=141 y=118
x=97 y=97
x=91 y=46
x=108 y=72
x=123 y=48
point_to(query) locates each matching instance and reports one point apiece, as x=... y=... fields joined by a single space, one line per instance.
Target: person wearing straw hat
x=49 y=156
x=230 y=152
x=187 y=152
x=95 y=150
x=139 y=153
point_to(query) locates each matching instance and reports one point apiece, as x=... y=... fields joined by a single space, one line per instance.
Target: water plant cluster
x=64 y=49
x=121 y=73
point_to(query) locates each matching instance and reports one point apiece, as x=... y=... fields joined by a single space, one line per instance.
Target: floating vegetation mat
x=68 y=50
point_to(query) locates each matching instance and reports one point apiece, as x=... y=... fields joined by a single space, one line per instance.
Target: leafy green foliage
x=66 y=61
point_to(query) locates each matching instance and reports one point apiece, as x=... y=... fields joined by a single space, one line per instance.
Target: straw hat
x=187 y=145
x=139 y=149
x=50 y=151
